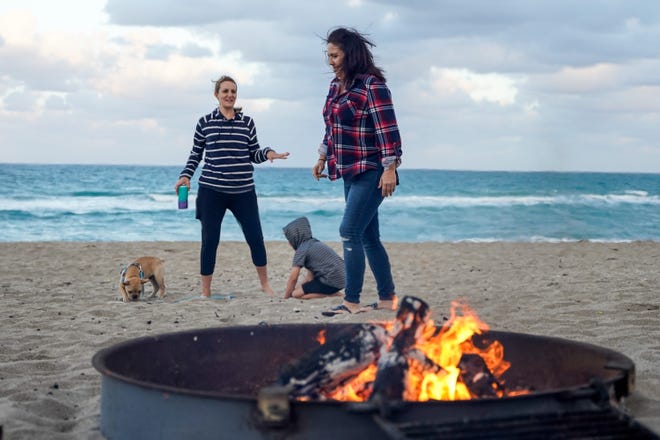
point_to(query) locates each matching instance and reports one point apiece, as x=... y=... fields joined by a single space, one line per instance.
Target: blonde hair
x=222 y=79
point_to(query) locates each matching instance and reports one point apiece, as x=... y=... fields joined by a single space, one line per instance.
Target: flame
x=320 y=337
x=444 y=347
x=357 y=390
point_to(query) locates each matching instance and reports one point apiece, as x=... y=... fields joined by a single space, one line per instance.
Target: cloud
x=19 y=101
x=479 y=84
x=489 y=87
x=56 y=102
x=587 y=79
x=159 y=51
x=194 y=50
x=123 y=66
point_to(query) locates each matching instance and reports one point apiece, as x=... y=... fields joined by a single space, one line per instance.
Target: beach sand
x=59 y=305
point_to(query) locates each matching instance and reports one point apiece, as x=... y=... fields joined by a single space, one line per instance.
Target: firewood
x=391 y=378
x=477 y=377
x=335 y=362
x=358 y=350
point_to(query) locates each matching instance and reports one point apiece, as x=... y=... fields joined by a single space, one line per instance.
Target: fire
x=320 y=338
x=447 y=347
x=436 y=362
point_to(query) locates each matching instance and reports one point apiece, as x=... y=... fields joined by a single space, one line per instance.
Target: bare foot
x=391 y=304
x=268 y=290
x=206 y=286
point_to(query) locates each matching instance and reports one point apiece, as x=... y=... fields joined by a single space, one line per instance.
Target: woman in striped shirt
x=226 y=140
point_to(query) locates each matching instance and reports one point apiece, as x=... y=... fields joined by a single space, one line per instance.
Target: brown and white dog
x=136 y=274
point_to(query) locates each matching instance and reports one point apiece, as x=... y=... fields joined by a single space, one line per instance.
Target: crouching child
x=326 y=274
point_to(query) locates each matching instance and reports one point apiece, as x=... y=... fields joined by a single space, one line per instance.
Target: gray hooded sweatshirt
x=314 y=255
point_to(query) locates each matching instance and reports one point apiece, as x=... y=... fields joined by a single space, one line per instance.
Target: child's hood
x=298 y=231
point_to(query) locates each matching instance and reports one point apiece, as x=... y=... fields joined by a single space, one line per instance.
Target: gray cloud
x=192 y=50
x=584 y=77
x=159 y=51
x=20 y=101
x=40 y=73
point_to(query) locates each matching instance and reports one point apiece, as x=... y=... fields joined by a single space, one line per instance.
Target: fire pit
x=219 y=383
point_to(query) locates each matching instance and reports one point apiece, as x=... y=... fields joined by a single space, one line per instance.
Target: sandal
x=376 y=305
x=372 y=306
x=337 y=310
x=340 y=310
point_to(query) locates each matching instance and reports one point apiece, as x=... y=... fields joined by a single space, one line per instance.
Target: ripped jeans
x=360 y=236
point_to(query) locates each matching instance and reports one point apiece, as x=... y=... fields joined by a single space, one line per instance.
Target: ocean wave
x=88 y=204
x=302 y=204
x=526 y=200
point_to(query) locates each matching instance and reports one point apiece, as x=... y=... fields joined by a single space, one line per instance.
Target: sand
x=59 y=305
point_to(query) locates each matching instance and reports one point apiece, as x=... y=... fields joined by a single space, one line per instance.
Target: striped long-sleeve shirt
x=361 y=128
x=228 y=148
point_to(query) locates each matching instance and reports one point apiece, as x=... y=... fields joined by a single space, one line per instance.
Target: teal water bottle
x=183 y=197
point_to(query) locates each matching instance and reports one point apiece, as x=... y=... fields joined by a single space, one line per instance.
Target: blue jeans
x=360 y=236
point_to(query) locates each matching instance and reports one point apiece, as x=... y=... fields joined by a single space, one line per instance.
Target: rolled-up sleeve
x=388 y=139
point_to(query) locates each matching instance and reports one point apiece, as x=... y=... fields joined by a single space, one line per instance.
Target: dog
x=135 y=275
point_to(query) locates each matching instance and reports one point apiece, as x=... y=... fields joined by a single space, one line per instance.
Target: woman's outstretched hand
x=272 y=155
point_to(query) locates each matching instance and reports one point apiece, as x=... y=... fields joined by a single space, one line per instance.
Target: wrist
x=321 y=159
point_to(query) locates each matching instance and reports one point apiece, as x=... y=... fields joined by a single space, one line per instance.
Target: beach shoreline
x=59 y=303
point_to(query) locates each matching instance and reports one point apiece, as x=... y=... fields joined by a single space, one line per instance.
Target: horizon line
x=575 y=171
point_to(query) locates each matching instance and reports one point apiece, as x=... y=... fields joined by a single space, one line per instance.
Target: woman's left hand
x=272 y=155
x=387 y=182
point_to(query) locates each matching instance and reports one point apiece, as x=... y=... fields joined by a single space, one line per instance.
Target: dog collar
x=141 y=274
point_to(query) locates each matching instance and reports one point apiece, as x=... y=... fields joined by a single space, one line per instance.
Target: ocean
x=138 y=203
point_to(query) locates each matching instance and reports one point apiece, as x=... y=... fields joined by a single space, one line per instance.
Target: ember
x=409 y=358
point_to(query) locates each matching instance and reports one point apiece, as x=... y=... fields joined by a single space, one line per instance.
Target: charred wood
x=335 y=362
x=391 y=378
x=477 y=377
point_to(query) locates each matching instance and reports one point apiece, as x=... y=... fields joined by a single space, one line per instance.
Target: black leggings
x=210 y=210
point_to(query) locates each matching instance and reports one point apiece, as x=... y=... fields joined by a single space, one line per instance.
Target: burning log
x=477 y=377
x=335 y=362
x=391 y=378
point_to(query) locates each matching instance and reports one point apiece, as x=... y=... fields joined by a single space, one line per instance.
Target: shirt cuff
x=386 y=162
x=323 y=150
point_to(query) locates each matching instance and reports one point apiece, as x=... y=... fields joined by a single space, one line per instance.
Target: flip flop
x=372 y=306
x=337 y=310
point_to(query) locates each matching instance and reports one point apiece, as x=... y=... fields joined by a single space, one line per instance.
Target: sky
x=518 y=85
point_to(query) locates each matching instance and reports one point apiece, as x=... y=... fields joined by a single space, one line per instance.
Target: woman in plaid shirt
x=362 y=146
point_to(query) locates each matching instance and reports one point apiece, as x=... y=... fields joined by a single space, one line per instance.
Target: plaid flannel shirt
x=361 y=128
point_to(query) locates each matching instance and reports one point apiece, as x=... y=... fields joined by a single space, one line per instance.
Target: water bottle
x=183 y=197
